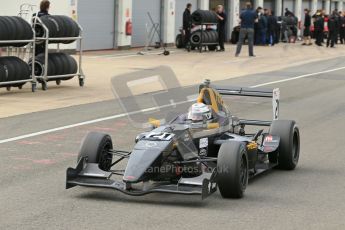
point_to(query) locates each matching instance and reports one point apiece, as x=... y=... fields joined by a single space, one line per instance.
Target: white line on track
x=21 y=137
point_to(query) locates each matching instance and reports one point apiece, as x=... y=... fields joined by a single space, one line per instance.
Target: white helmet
x=199 y=111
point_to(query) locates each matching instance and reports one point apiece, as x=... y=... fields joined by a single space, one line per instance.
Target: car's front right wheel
x=232 y=169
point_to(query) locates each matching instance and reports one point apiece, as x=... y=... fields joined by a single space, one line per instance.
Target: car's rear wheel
x=287 y=155
x=95 y=147
x=232 y=169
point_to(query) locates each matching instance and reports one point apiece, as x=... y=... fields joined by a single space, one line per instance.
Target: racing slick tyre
x=212 y=47
x=179 y=41
x=95 y=147
x=287 y=154
x=232 y=169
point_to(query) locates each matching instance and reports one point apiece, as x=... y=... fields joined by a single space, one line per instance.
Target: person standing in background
x=342 y=28
x=306 y=29
x=257 y=28
x=263 y=27
x=332 y=29
x=44 y=10
x=221 y=26
x=187 y=24
x=318 y=27
x=248 y=18
x=272 y=24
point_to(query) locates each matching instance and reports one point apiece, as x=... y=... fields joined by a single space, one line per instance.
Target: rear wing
x=252 y=92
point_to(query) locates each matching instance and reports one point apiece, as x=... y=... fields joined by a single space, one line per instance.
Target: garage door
x=243 y=4
x=97 y=19
x=141 y=20
x=290 y=4
x=270 y=4
x=334 y=6
x=179 y=9
x=320 y=5
x=306 y=4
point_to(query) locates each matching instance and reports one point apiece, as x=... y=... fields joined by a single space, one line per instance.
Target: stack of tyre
x=59 y=64
x=13 y=30
x=203 y=37
x=59 y=26
x=204 y=17
x=207 y=37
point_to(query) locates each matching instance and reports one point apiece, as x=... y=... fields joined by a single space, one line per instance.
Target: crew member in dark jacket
x=257 y=27
x=332 y=29
x=306 y=29
x=342 y=28
x=187 y=24
x=44 y=10
x=318 y=28
x=221 y=26
x=272 y=24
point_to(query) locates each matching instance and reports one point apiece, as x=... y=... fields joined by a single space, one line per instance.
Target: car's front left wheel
x=96 y=147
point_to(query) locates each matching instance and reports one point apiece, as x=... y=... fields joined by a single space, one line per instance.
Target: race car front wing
x=89 y=175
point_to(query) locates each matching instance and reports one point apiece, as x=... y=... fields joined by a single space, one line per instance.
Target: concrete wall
x=62 y=7
x=124 y=13
x=11 y=7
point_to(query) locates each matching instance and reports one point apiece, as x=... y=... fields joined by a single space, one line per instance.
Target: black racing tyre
x=3 y=75
x=11 y=28
x=60 y=26
x=13 y=69
x=27 y=30
x=232 y=169
x=95 y=146
x=73 y=65
x=19 y=30
x=206 y=37
x=51 y=23
x=58 y=63
x=4 y=30
x=10 y=68
x=215 y=36
x=195 y=38
x=22 y=71
x=24 y=31
x=65 y=67
x=40 y=66
x=212 y=47
x=287 y=155
x=18 y=68
x=72 y=28
x=179 y=41
x=204 y=16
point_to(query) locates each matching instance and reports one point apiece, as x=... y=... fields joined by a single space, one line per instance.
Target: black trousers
x=221 y=38
x=318 y=36
x=332 y=35
x=342 y=35
x=187 y=37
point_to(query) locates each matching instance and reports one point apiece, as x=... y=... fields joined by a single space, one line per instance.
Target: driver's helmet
x=198 y=111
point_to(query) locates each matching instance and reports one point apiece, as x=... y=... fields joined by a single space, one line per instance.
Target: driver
x=199 y=112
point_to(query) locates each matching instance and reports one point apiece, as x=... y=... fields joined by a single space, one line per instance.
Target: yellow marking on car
x=252 y=146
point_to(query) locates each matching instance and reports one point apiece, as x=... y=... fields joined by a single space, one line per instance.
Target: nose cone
x=142 y=157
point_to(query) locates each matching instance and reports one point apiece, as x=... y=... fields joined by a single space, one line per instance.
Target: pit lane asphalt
x=32 y=170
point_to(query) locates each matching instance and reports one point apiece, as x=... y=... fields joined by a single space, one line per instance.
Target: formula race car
x=193 y=154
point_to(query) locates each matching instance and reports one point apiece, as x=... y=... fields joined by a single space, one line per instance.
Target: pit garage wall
x=60 y=7
x=123 y=14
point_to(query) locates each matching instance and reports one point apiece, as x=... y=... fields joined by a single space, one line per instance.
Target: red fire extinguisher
x=129 y=27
